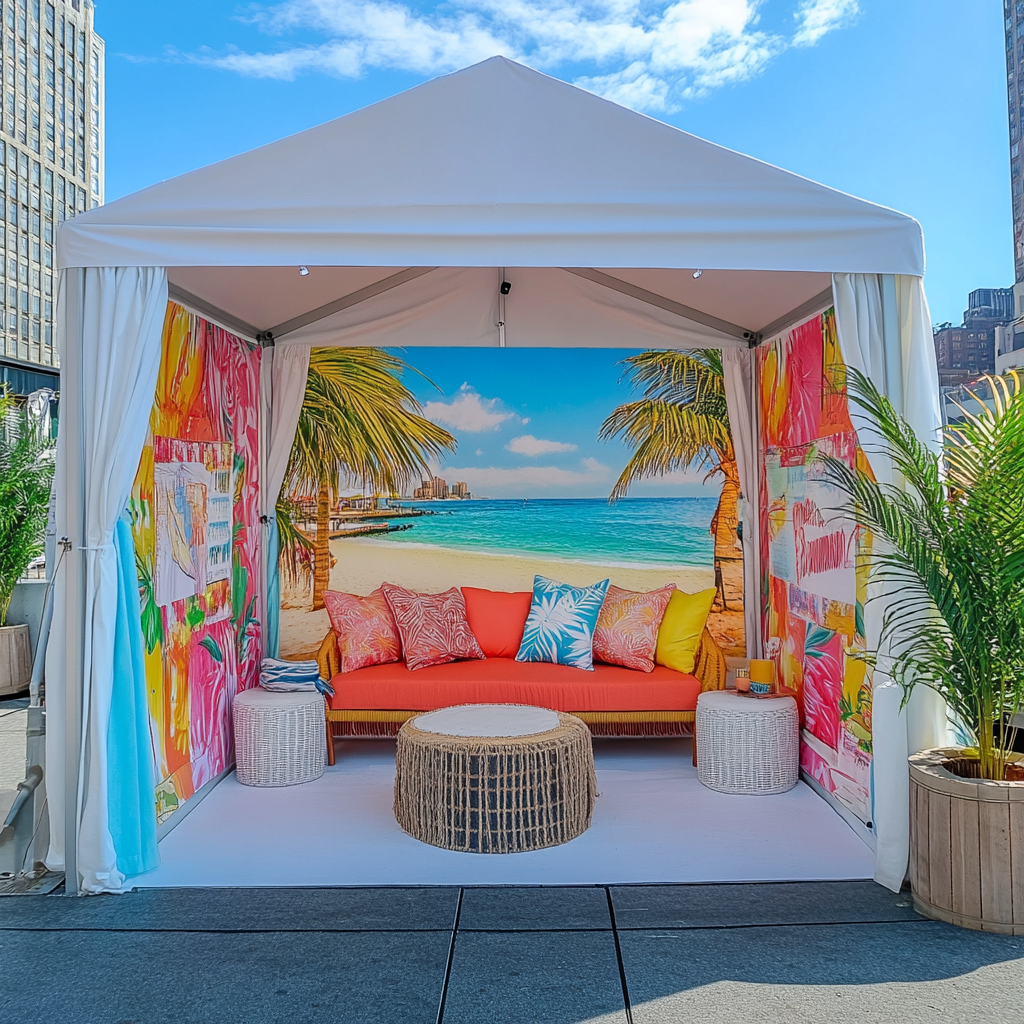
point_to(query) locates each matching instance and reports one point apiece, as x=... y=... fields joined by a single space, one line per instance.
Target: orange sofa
x=613 y=701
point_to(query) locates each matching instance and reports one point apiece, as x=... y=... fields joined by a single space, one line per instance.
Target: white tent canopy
x=409 y=215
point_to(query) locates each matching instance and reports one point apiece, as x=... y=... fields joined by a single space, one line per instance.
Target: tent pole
x=74 y=490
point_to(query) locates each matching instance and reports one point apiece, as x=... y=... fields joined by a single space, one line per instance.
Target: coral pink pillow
x=497 y=619
x=627 y=628
x=433 y=627
x=365 y=628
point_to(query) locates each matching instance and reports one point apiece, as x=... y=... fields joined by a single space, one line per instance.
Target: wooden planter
x=966 y=846
x=15 y=660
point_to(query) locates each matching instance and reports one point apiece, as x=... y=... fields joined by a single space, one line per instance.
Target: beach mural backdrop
x=434 y=468
x=195 y=512
x=813 y=559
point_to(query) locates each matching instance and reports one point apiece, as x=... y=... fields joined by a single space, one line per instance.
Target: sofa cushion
x=627 y=628
x=497 y=619
x=505 y=681
x=560 y=626
x=681 y=629
x=365 y=629
x=433 y=627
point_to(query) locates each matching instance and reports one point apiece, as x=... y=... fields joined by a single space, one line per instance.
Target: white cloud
x=527 y=444
x=647 y=54
x=469 y=412
x=816 y=18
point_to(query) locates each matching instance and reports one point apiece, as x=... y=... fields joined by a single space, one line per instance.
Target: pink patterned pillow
x=365 y=629
x=627 y=628
x=433 y=627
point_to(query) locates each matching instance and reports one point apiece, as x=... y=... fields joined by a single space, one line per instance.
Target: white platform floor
x=653 y=822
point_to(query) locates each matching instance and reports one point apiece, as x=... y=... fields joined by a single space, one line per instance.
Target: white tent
x=410 y=213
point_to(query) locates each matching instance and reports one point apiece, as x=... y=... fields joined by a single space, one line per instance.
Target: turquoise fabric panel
x=560 y=626
x=131 y=794
x=272 y=634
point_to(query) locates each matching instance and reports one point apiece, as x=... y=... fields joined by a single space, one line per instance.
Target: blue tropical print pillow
x=560 y=626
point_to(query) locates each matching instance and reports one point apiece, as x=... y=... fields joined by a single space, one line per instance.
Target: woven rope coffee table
x=494 y=778
x=746 y=745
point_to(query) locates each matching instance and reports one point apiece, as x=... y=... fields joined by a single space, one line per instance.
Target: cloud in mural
x=527 y=444
x=469 y=412
x=649 y=56
x=519 y=479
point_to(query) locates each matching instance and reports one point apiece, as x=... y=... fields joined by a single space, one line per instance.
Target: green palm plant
x=682 y=420
x=952 y=558
x=359 y=422
x=26 y=475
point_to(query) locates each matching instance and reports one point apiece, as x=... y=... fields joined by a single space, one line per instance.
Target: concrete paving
x=787 y=952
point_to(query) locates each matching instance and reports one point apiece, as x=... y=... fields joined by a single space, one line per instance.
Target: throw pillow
x=681 y=629
x=497 y=619
x=560 y=626
x=365 y=629
x=433 y=627
x=627 y=628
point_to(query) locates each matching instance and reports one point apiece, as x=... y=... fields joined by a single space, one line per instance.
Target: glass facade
x=51 y=156
x=1013 y=12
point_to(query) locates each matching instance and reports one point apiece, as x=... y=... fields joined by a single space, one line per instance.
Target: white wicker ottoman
x=280 y=738
x=746 y=745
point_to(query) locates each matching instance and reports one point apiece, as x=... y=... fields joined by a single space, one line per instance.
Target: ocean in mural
x=633 y=532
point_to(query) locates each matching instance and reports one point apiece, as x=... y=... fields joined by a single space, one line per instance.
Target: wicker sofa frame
x=371 y=723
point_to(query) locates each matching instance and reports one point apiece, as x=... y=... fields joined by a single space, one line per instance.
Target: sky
x=901 y=102
x=527 y=420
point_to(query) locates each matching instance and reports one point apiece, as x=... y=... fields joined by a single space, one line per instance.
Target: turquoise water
x=635 y=531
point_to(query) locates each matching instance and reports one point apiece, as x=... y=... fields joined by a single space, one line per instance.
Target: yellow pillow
x=681 y=629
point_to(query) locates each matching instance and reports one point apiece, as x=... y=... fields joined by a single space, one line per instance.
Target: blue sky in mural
x=902 y=102
x=527 y=421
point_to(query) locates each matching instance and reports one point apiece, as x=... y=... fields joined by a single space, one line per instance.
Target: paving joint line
x=618 y=956
x=451 y=957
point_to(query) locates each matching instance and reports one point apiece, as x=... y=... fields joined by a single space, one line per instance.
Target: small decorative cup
x=763 y=671
x=742 y=681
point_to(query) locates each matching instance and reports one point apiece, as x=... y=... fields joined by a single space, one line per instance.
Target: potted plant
x=951 y=561
x=26 y=474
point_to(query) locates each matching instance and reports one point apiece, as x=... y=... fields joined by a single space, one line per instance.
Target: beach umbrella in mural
x=681 y=421
x=359 y=425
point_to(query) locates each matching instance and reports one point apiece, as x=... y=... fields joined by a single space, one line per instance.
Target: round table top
x=729 y=700
x=488 y=720
x=257 y=697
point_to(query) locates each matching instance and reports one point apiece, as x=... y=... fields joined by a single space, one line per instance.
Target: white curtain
x=738 y=365
x=283 y=374
x=112 y=319
x=884 y=331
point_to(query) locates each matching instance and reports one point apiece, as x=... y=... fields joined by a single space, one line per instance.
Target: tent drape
x=738 y=366
x=132 y=807
x=884 y=331
x=283 y=373
x=111 y=318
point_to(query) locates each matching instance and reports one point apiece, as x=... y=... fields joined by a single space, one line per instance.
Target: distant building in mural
x=461 y=489
x=51 y=161
x=434 y=489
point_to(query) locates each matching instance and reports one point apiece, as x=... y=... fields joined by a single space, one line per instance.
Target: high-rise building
x=51 y=163
x=965 y=353
x=434 y=489
x=1010 y=347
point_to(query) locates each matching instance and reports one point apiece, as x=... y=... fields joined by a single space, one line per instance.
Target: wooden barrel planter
x=15 y=660
x=966 y=846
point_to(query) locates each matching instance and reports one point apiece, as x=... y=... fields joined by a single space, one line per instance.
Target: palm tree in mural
x=359 y=423
x=681 y=421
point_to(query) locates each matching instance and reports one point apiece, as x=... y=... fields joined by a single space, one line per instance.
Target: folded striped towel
x=291 y=676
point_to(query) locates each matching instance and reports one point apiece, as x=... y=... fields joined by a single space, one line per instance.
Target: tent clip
x=753 y=338
x=265 y=339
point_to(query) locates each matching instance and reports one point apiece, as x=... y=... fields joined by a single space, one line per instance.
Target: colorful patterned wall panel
x=195 y=514
x=814 y=559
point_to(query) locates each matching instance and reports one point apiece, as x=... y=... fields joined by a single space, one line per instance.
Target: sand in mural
x=519 y=485
x=814 y=560
x=195 y=510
